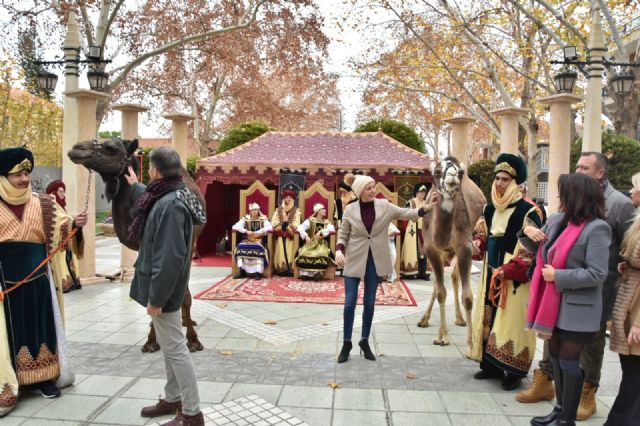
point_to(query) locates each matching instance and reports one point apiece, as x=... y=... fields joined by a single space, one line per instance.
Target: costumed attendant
x=64 y=265
x=33 y=346
x=345 y=197
x=413 y=262
x=250 y=255
x=285 y=221
x=565 y=302
x=500 y=342
x=363 y=250
x=314 y=257
x=393 y=233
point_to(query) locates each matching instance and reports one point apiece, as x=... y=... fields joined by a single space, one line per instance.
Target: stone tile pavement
x=257 y=374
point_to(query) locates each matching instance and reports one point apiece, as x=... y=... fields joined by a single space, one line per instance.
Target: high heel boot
x=343 y=356
x=366 y=350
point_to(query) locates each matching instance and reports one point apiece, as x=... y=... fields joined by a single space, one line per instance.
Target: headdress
x=513 y=165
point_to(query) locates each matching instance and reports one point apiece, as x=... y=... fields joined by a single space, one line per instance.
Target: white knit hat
x=317 y=207
x=254 y=206
x=359 y=183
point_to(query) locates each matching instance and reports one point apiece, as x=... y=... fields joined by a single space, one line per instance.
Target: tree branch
x=112 y=17
x=86 y=23
x=177 y=43
x=614 y=30
x=563 y=21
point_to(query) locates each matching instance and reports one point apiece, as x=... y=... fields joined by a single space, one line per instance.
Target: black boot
x=422 y=269
x=557 y=409
x=343 y=356
x=366 y=350
x=240 y=274
x=571 y=391
x=257 y=276
x=511 y=382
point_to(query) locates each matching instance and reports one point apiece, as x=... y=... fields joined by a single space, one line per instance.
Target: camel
x=111 y=159
x=447 y=231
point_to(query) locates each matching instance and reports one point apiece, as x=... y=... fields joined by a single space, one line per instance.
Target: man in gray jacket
x=619 y=213
x=162 y=220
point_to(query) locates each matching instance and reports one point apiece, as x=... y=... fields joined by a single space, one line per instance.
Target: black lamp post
x=97 y=79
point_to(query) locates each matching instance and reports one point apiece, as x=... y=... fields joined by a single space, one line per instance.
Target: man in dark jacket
x=162 y=220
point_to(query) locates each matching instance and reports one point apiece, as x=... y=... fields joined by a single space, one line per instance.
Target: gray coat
x=164 y=259
x=619 y=213
x=582 y=279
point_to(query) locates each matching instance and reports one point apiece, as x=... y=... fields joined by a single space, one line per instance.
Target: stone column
x=509 y=128
x=460 y=137
x=559 y=142
x=592 y=136
x=129 y=131
x=180 y=134
x=77 y=178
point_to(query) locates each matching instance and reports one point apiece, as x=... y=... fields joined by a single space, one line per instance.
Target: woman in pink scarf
x=565 y=299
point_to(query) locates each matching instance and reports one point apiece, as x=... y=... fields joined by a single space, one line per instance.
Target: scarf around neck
x=511 y=195
x=140 y=211
x=12 y=195
x=544 y=298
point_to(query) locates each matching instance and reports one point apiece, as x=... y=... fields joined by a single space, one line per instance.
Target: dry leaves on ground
x=270 y=322
x=334 y=385
x=226 y=353
x=411 y=376
x=222 y=305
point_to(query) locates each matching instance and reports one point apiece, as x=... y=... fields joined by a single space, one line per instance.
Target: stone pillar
x=559 y=142
x=460 y=137
x=592 y=136
x=180 y=134
x=129 y=131
x=77 y=177
x=509 y=128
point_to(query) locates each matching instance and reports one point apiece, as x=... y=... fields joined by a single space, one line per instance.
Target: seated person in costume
x=314 y=256
x=64 y=265
x=393 y=232
x=413 y=262
x=285 y=222
x=251 y=254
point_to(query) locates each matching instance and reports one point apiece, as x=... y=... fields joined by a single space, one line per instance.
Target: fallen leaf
x=381 y=354
x=226 y=353
x=222 y=305
x=334 y=385
x=325 y=323
x=411 y=376
x=270 y=322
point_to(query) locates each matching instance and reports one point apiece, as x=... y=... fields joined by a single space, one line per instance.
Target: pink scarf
x=544 y=299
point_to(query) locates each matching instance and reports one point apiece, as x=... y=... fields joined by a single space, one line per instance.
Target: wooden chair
x=383 y=192
x=266 y=199
x=317 y=193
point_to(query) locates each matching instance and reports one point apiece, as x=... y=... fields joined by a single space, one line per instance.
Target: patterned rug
x=292 y=290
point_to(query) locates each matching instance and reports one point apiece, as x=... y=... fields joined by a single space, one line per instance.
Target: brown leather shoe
x=541 y=389
x=184 y=420
x=162 y=408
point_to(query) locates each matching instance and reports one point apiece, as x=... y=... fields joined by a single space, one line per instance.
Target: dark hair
x=602 y=162
x=581 y=198
x=166 y=161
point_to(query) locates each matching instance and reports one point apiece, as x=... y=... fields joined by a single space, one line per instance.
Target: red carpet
x=213 y=260
x=292 y=290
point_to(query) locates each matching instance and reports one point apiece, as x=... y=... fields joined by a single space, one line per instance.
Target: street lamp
x=97 y=79
x=565 y=80
x=622 y=83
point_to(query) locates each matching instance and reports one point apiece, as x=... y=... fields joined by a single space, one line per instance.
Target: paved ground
x=255 y=374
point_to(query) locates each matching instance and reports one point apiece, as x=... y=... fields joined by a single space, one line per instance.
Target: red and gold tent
x=322 y=156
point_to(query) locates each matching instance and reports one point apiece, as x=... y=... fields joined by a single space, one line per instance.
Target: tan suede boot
x=587 y=407
x=541 y=389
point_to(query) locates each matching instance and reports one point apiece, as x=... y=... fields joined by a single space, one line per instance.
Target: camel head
x=447 y=175
x=110 y=159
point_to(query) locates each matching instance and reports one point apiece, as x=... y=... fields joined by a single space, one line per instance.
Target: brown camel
x=111 y=159
x=448 y=230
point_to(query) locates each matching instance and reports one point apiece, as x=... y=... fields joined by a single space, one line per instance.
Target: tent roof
x=327 y=150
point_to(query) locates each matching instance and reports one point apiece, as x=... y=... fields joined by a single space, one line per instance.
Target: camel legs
x=464 y=265
x=455 y=283
x=440 y=293
x=151 y=345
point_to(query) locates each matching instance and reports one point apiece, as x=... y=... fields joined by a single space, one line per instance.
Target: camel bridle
x=124 y=163
x=440 y=182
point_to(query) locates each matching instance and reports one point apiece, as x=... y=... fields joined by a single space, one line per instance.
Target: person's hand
x=80 y=220
x=475 y=248
x=498 y=273
x=131 y=176
x=634 y=335
x=549 y=273
x=622 y=266
x=339 y=258
x=318 y=236
x=534 y=234
x=153 y=311
x=432 y=201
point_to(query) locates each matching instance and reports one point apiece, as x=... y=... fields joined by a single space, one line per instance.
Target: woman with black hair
x=565 y=299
